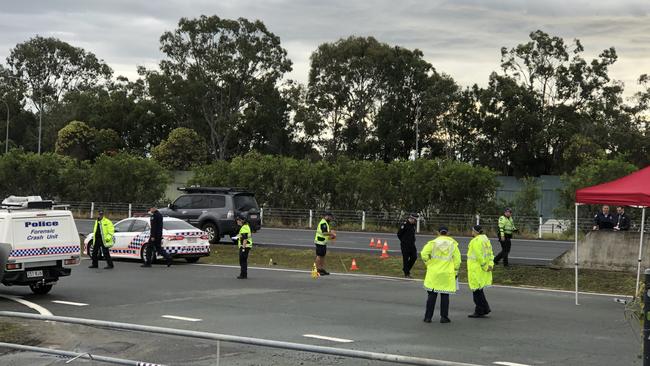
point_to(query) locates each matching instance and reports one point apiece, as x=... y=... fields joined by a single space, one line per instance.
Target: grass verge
x=526 y=276
x=14 y=332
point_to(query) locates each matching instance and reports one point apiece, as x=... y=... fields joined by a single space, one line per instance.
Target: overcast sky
x=459 y=37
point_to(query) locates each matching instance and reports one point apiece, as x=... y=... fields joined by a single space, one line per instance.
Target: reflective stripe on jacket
x=442 y=258
x=479 y=258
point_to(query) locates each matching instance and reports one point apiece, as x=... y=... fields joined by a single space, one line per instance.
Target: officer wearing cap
x=480 y=262
x=506 y=229
x=102 y=240
x=244 y=245
x=324 y=234
x=406 y=235
x=442 y=259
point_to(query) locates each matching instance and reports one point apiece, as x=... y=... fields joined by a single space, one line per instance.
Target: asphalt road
x=527 y=327
x=540 y=252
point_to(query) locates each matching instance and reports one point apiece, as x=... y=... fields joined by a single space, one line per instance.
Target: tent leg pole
x=638 y=268
x=576 y=252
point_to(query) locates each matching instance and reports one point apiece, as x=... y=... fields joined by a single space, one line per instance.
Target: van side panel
x=41 y=238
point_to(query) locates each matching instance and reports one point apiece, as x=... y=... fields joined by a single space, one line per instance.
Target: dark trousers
x=409 y=257
x=431 y=305
x=505 y=250
x=105 y=253
x=243 y=261
x=156 y=246
x=482 y=307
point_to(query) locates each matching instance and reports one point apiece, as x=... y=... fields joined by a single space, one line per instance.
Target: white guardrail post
x=417 y=224
x=92 y=209
x=262 y=216
x=539 y=230
x=478 y=219
x=130 y=210
x=363 y=220
x=311 y=217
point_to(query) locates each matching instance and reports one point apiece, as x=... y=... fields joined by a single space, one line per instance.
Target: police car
x=38 y=245
x=180 y=239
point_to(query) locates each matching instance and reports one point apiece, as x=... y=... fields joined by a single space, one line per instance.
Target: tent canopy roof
x=631 y=190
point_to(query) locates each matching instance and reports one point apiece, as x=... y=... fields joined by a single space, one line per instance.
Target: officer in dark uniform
x=604 y=220
x=622 y=220
x=155 y=239
x=406 y=235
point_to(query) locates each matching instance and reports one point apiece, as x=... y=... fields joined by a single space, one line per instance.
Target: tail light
x=12 y=266
x=71 y=261
x=231 y=214
x=175 y=237
x=205 y=237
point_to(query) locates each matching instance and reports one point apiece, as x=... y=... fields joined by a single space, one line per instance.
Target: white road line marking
x=504 y=363
x=340 y=340
x=181 y=318
x=389 y=278
x=41 y=310
x=69 y=303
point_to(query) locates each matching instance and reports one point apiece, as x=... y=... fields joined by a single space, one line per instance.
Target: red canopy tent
x=631 y=190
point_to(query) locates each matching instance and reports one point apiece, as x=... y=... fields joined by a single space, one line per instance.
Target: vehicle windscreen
x=177 y=225
x=244 y=202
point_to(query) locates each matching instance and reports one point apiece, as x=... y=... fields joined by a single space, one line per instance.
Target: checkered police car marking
x=36 y=252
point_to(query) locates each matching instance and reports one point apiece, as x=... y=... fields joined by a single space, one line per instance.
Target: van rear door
x=44 y=236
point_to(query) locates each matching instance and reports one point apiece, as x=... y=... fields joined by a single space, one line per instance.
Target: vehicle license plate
x=32 y=274
x=253 y=216
x=191 y=240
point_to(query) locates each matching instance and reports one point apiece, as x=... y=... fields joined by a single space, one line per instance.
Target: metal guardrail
x=357 y=219
x=374 y=356
x=76 y=356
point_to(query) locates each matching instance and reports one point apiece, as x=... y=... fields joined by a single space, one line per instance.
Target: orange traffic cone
x=354 y=265
x=384 y=251
x=372 y=242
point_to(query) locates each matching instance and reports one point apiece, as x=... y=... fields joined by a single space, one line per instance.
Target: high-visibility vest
x=442 y=258
x=479 y=258
x=245 y=229
x=506 y=225
x=322 y=238
x=107 y=231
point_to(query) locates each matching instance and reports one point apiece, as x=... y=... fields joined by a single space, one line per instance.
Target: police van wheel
x=192 y=259
x=40 y=289
x=89 y=249
x=213 y=232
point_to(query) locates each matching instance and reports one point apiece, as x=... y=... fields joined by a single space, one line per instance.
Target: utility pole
x=417 y=131
x=40 y=118
x=7 y=137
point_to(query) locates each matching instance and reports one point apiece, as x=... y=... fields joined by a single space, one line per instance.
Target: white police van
x=38 y=245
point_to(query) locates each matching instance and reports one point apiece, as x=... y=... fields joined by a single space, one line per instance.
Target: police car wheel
x=213 y=232
x=192 y=259
x=89 y=249
x=40 y=289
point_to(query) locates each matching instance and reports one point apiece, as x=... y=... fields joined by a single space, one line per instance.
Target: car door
x=122 y=237
x=181 y=207
x=200 y=204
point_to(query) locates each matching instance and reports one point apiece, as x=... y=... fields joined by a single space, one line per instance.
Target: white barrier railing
x=343 y=352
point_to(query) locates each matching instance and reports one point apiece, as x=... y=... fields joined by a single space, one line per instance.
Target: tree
x=366 y=98
x=76 y=140
x=592 y=172
x=11 y=90
x=182 y=150
x=213 y=67
x=50 y=68
x=126 y=178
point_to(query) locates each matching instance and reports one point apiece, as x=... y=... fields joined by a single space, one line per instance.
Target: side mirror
x=171 y=206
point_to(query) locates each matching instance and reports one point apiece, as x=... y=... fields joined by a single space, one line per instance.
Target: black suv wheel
x=213 y=232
